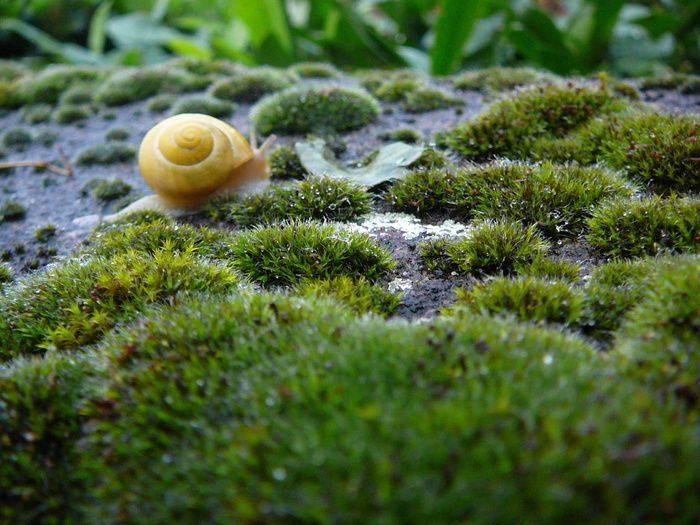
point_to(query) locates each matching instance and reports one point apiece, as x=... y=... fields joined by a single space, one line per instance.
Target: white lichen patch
x=399 y=285
x=409 y=225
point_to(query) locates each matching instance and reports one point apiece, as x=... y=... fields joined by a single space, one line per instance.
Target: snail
x=191 y=158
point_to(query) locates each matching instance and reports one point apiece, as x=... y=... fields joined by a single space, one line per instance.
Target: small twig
x=67 y=171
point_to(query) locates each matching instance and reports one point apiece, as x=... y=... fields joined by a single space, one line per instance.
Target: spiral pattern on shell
x=185 y=158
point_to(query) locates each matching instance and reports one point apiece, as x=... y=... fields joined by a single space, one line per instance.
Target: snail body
x=191 y=158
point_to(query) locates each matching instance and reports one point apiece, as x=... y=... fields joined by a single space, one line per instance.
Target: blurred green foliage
x=437 y=36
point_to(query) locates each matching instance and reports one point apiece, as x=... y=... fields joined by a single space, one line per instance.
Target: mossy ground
x=261 y=362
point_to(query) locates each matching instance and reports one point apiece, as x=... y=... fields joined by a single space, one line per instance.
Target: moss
x=205 y=68
x=658 y=149
x=426 y=99
x=119 y=133
x=558 y=199
x=691 y=85
x=70 y=113
x=315 y=70
x=5 y=275
x=107 y=153
x=357 y=294
x=11 y=70
x=44 y=233
x=134 y=84
x=161 y=103
x=496 y=79
x=511 y=128
x=77 y=302
x=634 y=228
x=36 y=113
x=252 y=85
x=41 y=423
x=398 y=90
x=48 y=85
x=46 y=137
x=407 y=135
x=320 y=198
x=17 y=138
x=291 y=252
x=431 y=159
x=546 y=267
x=526 y=298
x=491 y=248
x=107 y=190
x=284 y=164
x=78 y=95
x=671 y=81
x=204 y=104
x=313 y=110
x=11 y=95
x=12 y=211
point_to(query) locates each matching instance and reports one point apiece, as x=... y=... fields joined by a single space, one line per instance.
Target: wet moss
x=48 y=85
x=106 y=153
x=407 y=135
x=78 y=94
x=17 y=138
x=357 y=294
x=204 y=104
x=313 y=110
x=118 y=133
x=71 y=113
x=161 y=103
x=315 y=70
x=426 y=99
x=284 y=164
x=134 y=84
x=44 y=233
x=492 y=80
x=12 y=211
x=107 y=190
x=36 y=113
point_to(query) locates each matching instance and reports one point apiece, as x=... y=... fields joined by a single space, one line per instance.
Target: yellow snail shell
x=190 y=158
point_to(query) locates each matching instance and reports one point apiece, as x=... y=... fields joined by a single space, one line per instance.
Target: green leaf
x=452 y=30
x=266 y=18
x=98 y=27
x=187 y=48
x=138 y=29
x=389 y=164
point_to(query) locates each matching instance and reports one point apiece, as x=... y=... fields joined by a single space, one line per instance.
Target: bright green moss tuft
x=316 y=198
x=77 y=302
x=426 y=99
x=17 y=138
x=512 y=127
x=252 y=85
x=5 y=275
x=407 y=135
x=491 y=248
x=655 y=148
x=78 y=95
x=314 y=110
x=357 y=294
x=292 y=252
x=36 y=113
x=526 y=298
x=315 y=70
x=48 y=85
x=11 y=70
x=398 y=90
x=204 y=104
x=634 y=228
x=12 y=211
x=46 y=137
x=44 y=233
x=107 y=153
x=133 y=84
x=548 y=268
x=119 y=133
x=284 y=164
x=496 y=79
x=70 y=113
x=558 y=199
x=161 y=103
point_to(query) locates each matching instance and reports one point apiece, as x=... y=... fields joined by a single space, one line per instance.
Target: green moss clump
x=548 y=268
x=134 y=84
x=36 y=113
x=119 y=133
x=17 y=138
x=78 y=95
x=11 y=95
x=634 y=228
x=77 y=302
x=44 y=233
x=320 y=198
x=357 y=294
x=11 y=70
x=314 y=110
x=107 y=153
x=426 y=99
x=291 y=252
x=161 y=103
x=46 y=137
x=5 y=275
x=398 y=90
x=48 y=85
x=512 y=127
x=491 y=80
x=204 y=104
x=12 y=211
x=491 y=248
x=558 y=199
x=107 y=190
x=691 y=85
x=658 y=149
x=431 y=159
x=252 y=85
x=671 y=81
x=407 y=135
x=285 y=164
x=70 y=113
x=315 y=70
x=526 y=298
